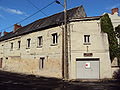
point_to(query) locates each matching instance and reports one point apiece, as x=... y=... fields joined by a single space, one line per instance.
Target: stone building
x=37 y=48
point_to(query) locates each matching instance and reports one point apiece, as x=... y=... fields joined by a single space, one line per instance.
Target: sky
x=13 y=11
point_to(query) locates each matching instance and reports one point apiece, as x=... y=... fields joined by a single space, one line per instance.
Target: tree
x=117 y=30
x=107 y=27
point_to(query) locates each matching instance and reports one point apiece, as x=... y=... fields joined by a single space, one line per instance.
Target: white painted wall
x=99 y=46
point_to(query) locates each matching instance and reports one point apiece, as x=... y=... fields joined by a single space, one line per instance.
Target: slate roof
x=85 y=18
x=48 y=22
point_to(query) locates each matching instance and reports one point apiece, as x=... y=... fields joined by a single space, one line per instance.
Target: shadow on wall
x=116 y=74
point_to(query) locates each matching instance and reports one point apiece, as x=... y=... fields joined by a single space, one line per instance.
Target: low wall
x=115 y=71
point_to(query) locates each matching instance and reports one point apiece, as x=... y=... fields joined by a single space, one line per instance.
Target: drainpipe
x=62 y=51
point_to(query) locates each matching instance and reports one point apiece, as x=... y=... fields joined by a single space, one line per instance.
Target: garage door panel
x=91 y=72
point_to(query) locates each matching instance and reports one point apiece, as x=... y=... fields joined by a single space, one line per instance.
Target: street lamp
x=65 y=40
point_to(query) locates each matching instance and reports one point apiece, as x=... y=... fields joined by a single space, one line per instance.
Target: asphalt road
x=12 y=81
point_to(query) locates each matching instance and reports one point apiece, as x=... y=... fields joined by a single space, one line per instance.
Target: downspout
x=62 y=52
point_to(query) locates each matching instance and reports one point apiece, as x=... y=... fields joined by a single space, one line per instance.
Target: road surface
x=12 y=81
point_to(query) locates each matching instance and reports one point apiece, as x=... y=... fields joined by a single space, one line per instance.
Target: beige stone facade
x=27 y=60
x=40 y=52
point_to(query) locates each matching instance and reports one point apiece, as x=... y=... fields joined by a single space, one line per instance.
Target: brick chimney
x=5 y=33
x=16 y=26
x=115 y=10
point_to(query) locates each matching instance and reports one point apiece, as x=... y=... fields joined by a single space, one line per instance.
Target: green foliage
x=117 y=30
x=107 y=27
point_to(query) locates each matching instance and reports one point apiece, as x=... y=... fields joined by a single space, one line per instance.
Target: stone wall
x=27 y=60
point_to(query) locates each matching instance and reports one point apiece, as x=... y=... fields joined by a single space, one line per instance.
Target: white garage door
x=87 y=68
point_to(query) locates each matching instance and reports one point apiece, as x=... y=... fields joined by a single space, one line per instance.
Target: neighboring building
x=115 y=19
x=37 y=48
x=114 y=16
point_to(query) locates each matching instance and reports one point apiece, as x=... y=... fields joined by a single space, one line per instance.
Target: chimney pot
x=5 y=33
x=16 y=26
x=115 y=10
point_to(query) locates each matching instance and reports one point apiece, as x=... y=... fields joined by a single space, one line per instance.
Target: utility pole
x=65 y=43
x=66 y=76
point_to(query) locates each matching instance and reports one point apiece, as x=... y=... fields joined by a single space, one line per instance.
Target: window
x=40 y=41
x=28 y=43
x=54 y=38
x=1 y=62
x=19 y=42
x=41 y=63
x=11 y=46
x=87 y=39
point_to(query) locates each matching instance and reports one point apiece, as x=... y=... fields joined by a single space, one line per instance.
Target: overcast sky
x=13 y=11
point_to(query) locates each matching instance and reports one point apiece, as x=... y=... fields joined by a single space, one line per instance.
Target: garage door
x=87 y=68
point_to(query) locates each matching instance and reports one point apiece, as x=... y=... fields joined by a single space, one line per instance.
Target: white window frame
x=87 y=40
x=42 y=63
x=11 y=48
x=54 y=39
x=19 y=44
x=28 y=43
x=40 y=41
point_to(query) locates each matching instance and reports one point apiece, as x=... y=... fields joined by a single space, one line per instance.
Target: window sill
x=54 y=44
x=86 y=43
x=28 y=48
x=18 y=49
x=39 y=46
x=11 y=50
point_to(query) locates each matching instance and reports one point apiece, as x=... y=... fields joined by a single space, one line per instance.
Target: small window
x=11 y=46
x=41 y=63
x=19 y=42
x=40 y=41
x=54 y=38
x=86 y=39
x=1 y=62
x=28 y=43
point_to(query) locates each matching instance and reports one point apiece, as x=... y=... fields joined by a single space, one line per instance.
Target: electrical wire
x=30 y=15
x=36 y=12
x=36 y=7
